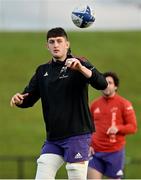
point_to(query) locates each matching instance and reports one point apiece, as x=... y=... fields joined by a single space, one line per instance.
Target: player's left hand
x=74 y=64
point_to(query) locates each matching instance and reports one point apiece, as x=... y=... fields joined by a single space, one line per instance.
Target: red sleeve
x=129 y=125
x=92 y=107
x=91 y=111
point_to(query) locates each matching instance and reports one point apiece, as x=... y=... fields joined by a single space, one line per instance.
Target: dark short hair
x=114 y=76
x=57 y=32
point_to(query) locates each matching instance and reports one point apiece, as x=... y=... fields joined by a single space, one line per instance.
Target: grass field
x=22 y=131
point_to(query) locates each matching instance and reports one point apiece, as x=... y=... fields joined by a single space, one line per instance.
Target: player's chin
x=106 y=93
x=57 y=55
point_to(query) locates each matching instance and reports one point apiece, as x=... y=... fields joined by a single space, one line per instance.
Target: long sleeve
x=97 y=80
x=32 y=89
x=130 y=124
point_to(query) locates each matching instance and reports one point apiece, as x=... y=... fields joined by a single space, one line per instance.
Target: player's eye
x=51 y=41
x=59 y=41
x=110 y=82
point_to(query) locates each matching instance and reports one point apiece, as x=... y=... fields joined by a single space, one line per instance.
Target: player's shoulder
x=44 y=65
x=81 y=58
x=97 y=100
x=85 y=62
x=123 y=100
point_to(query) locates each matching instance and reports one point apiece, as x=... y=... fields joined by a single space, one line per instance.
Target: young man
x=62 y=85
x=114 y=118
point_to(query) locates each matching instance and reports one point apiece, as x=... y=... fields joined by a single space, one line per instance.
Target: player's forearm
x=127 y=129
x=97 y=80
x=86 y=72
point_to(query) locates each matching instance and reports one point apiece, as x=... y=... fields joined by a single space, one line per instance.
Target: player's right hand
x=17 y=99
x=91 y=151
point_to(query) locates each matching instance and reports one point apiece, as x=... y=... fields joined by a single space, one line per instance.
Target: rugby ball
x=83 y=16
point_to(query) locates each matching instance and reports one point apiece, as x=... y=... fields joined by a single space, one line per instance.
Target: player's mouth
x=56 y=51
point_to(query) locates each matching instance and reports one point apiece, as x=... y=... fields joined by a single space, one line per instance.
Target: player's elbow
x=134 y=129
x=102 y=84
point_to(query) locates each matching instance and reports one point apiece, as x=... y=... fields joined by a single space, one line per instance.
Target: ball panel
x=76 y=19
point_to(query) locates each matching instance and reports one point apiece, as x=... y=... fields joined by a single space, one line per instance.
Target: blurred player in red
x=114 y=118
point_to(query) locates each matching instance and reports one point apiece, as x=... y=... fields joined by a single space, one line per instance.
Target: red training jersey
x=102 y=111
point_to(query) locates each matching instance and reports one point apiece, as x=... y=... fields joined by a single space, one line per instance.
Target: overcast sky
x=44 y=14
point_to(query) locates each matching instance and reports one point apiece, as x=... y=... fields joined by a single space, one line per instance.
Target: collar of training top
x=54 y=61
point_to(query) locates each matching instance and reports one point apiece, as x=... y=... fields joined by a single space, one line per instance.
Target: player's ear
x=68 y=44
x=46 y=46
x=115 y=88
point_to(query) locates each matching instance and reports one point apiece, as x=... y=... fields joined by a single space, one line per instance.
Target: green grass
x=22 y=131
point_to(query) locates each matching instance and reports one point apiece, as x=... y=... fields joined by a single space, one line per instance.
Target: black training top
x=64 y=97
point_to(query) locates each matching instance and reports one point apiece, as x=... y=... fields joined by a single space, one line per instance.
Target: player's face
x=111 y=88
x=58 y=47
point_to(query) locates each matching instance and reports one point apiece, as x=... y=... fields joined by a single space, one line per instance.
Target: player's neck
x=109 y=95
x=59 y=59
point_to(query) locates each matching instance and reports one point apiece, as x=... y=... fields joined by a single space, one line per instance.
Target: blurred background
x=43 y=14
x=113 y=42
